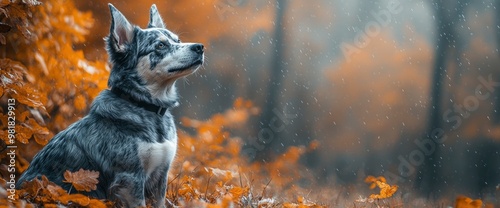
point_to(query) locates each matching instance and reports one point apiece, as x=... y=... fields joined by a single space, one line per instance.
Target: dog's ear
x=154 y=18
x=121 y=31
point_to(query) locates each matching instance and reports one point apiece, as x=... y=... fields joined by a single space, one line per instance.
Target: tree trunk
x=496 y=107
x=275 y=87
x=428 y=178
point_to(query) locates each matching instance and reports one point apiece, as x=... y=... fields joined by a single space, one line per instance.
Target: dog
x=129 y=135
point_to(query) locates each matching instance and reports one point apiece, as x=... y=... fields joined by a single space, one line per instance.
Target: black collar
x=148 y=106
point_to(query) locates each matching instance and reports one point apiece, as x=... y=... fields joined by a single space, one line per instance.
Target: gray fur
x=131 y=147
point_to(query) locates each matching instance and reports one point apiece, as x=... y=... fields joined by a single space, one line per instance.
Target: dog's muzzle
x=197 y=48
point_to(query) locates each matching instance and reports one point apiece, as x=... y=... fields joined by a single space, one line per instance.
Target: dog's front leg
x=156 y=187
x=127 y=190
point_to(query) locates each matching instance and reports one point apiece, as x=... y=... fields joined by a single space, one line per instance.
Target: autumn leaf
x=386 y=190
x=56 y=191
x=373 y=180
x=466 y=202
x=82 y=180
x=224 y=175
x=187 y=190
x=301 y=203
x=32 y=187
x=79 y=199
x=95 y=203
x=238 y=192
x=80 y=102
x=48 y=194
x=40 y=133
x=26 y=95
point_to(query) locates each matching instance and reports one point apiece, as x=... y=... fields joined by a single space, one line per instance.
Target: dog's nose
x=198 y=48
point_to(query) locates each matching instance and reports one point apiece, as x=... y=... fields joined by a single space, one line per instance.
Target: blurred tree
x=275 y=84
x=496 y=108
x=427 y=178
x=447 y=14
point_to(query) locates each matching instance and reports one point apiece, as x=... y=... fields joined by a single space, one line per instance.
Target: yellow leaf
x=386 y=190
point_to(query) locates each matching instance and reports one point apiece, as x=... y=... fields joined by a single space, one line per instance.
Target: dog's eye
x=161 y=45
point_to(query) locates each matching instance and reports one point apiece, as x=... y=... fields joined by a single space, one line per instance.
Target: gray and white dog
x=129 y=135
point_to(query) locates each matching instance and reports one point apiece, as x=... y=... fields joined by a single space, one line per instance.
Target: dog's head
x=146 y=62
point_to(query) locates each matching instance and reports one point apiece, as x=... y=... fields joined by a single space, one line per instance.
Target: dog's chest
x=156 y=155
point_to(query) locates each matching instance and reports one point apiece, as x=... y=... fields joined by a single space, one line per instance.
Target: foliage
x=48 y=194
x=301 y=203
x=466 y=202
x=51 y=84
x=384 y=198
x=214 y=174
x=17 y=16
x=12 y=85
x=386 y=190
x=50 y=81
x=13 y=74
x=53 y=73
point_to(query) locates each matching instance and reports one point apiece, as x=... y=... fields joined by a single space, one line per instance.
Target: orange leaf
x=75 y=198
x=94 y=203
x=238 y=192
x=26 y=95
x=238 y=103
x=32 y=187
x=80 y=102
x=22 y=117
x=300 y=199
x=466 y=202
x=56 y=191
x=40 y=133
x=82 y=180
x=386 y=190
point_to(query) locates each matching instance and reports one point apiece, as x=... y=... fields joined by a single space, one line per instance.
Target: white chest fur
x=154 y=155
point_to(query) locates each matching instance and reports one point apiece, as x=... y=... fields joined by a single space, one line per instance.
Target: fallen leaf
x=238 y=192
x=466 y=202
x=79 y=199
x=82 y=180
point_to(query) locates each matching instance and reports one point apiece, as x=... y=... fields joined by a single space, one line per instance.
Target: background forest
x=299 y=103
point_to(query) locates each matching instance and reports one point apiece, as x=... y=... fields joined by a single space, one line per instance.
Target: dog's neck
x=164 y=91
x=142 y=97
x=147 y=106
